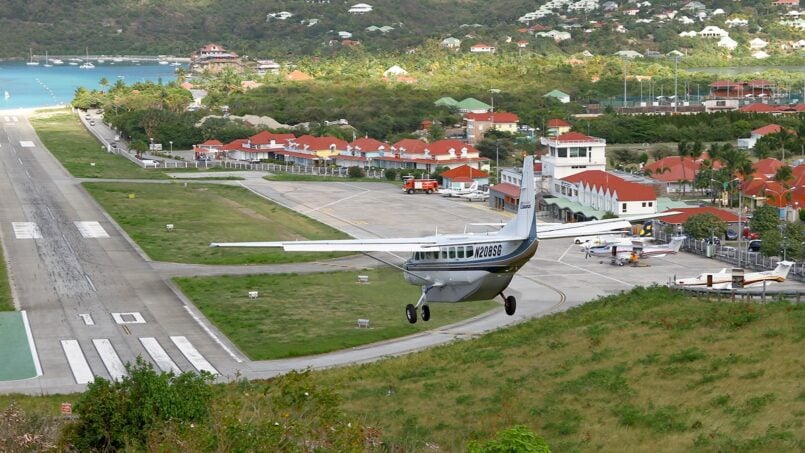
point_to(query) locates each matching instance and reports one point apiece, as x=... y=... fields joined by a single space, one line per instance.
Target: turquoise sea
x=23 y=86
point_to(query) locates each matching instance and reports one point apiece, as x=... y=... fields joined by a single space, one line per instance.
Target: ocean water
x=23 y=86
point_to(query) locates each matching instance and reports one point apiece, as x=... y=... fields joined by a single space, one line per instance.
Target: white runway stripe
x=91 y=229
x=161 y=358
x=78 y=363
x=26 y=230
x=193 y=356
x=27 y=144
x=110 y=359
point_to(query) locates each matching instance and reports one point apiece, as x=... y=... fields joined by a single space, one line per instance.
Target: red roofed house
x=571 y=153
x=590 y=194
x=463 y=177
x=208 y=149
x=672 y=170
x=322 y=147
x=556 y=127
x=263 y=145
x=759 y=107
x=479 y=123
x=749 y=143
x=367 y=147
x=685 y=213
x=482 y=48
x=504 y=196
x=214 y=58
x=416 y=154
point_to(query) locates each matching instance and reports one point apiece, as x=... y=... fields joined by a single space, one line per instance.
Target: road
x=100 y=299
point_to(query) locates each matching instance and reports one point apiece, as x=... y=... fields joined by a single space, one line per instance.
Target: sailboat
x=31 y=61
x=87 y=64
x=7 y=95
x=47 y=61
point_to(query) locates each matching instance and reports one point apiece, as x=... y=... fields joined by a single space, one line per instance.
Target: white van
x=150 y=163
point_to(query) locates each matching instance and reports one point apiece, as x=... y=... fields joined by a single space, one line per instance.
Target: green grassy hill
x=649 y=370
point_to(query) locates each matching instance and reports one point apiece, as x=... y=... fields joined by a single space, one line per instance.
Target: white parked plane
x=622 y=253
x=461 y=267
x=459 y=191
x=723 y=278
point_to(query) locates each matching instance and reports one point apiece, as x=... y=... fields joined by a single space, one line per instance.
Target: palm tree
x=684 y=150
x=103 y=82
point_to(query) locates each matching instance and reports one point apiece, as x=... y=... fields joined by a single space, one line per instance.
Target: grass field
x=646 y=371
x=308 y=314
x=6 y=301
x=65 y=137
x=204 y=213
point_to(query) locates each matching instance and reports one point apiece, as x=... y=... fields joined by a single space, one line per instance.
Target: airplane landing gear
x=425 y=313
x=509 y=304
x=410 y=313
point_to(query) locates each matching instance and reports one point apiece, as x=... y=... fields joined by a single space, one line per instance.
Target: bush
x=355 y=172
x=117 y=415
x=518 y=439
x=391 y=174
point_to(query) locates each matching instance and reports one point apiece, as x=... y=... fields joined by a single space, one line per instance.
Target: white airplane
x=461 y=267
x=723 y=278
x=459 y=191
x=622 y=253
x=476 y=195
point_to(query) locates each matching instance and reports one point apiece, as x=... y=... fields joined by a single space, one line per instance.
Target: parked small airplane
x=476 y=195
x=461 y=267
x=723 y=278
x=458 y=191
x=622 y=253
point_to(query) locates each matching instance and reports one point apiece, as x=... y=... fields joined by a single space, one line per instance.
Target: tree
x=764 y=219
x=704 y=225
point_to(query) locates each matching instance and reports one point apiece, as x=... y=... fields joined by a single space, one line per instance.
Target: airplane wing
x=561 y=230
x=345 y=245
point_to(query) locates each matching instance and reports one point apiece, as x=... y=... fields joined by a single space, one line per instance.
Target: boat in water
x=57 y=61
x=47 y=61
x=87 y=64
x=7 y=95
x=31 y=61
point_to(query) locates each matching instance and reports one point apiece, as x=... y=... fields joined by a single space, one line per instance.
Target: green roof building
x=473 y=105
x=446 y=101
x=564 y=98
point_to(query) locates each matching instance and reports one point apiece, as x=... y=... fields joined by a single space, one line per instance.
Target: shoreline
x=28 y=111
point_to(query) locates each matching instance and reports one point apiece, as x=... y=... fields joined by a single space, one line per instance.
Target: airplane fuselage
x=457 y=273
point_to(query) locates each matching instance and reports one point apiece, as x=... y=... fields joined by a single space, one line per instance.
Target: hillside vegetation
x=648 y=368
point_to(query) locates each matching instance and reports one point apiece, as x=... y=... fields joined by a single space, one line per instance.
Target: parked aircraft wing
x=580 y=229
x=345 y=245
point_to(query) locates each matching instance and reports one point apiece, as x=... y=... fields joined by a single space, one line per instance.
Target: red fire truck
x=412 y=185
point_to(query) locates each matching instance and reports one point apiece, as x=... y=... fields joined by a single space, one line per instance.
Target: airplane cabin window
x=469 y=251
x=461 y=252
x=444 y=254
x=452 y=252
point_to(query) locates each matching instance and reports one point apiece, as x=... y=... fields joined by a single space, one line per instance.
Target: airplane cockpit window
x=417 y=256
x=461 y=252
x=469 y=251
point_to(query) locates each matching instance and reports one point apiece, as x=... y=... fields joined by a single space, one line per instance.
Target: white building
x=482 y=48
x=360 y=8
x=757 y=44
x=451 y=43
x=711 y=31
x=727 y=43
x=571 y=153
x=602 y=191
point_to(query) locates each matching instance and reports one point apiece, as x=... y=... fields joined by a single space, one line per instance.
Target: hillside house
x=556 y=127
x=560 y=96
x=215 y=58
x=755 y=135
x=360 y=8
x=482 y=48
x=477 y=124
x=451 y=43
x=711 y=31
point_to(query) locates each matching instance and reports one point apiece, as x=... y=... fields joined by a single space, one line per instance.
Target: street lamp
x=171 y=143
x=740 y=218
x=492 y=92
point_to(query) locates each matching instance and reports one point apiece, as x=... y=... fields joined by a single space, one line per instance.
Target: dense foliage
x=704 y=225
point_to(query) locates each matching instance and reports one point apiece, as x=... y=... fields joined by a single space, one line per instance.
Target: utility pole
x=676 y=81
x=624 y=82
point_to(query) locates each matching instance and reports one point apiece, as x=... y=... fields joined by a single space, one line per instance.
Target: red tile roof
x=558 y=123
x=465 y=171
x=320 y=143
x=481 y=45
x=726 y=84
x=685 y=213
x=265 y=137
x=674 y=171
x=625 y=190
x=760 y=83
x=410 y=145
x=212 y=142
x=506 y=189
x=767 y=129
x=497 y=117
x=443 y=147
x=236 y=144
x=759 y=107
x=575 y=137
x=369 y=144
x=767 y=166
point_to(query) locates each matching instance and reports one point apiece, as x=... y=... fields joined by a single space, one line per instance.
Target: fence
x=340 y=172
x=735 y=256
x=742 y=294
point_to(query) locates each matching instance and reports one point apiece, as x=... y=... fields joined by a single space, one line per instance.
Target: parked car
x=754 y=245
x=713 y=240
x=731 y=235
x=91 y=122
x=749 y=234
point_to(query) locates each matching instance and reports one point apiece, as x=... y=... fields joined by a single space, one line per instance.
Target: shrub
x=355 y=172
x=518 y=439
x=116 y=415
x=391 y=174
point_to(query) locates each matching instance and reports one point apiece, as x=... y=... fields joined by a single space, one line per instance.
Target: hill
x=648 y=368
x=287 y=29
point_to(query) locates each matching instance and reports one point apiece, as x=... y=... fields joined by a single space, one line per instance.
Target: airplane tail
x=783 y=268
x=524 y=224
x=646 y=229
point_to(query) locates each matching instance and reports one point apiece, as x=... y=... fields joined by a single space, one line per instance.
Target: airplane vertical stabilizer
x=525 y=223
x=782 y=269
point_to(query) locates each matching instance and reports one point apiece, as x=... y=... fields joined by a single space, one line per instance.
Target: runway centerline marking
x=128 y=318
x=78 y=363
x=161 y=358
x=27 y=144
x=193 y=356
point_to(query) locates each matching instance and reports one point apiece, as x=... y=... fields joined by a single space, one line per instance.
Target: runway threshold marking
x=158 y=354
x=87 y=318
x=193 y=356
x=78 y=363
x=26 y=230
x=91 y=229
x=110 y=358
x=27 y=144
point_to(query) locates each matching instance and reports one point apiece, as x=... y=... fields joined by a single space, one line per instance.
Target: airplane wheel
x=410 y=313
x=425 y=313
x=510 y=305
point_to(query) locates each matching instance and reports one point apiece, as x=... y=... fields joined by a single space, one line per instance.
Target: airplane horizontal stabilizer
x=563 y=230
